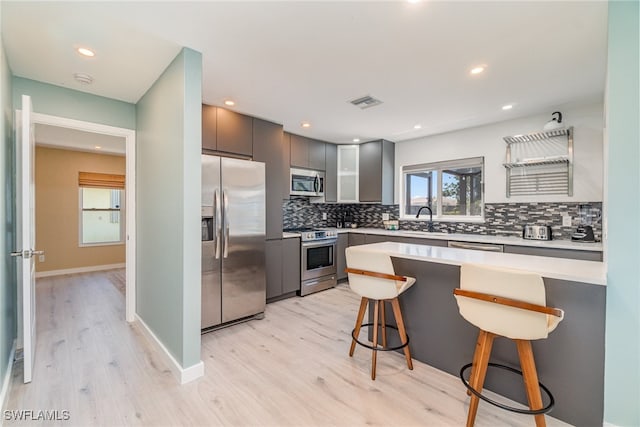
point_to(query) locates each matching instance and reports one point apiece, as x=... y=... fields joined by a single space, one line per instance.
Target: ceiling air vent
x=365 y=102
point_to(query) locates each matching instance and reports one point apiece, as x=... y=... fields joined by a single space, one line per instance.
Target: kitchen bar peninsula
x=570 y=361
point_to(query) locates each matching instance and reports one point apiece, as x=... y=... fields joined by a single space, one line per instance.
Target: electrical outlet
x=566 y=221
x=385 y=217
x=324 y=215
x=41 y=258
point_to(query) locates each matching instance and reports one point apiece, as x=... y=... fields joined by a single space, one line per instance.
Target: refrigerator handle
x=217 y=226
x=225 y=245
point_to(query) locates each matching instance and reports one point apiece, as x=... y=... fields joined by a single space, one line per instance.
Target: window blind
x=100 y=180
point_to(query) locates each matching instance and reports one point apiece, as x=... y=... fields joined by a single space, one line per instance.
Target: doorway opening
x=104 y=200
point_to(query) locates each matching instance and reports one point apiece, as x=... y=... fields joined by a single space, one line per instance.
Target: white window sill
x=445 y=219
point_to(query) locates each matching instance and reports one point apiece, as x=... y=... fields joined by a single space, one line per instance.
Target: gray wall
x=72 y=104
x=622 y=200
x=7 y=212
x=168 y=207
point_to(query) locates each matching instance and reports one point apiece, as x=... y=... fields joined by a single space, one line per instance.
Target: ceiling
x=77 y=140
x=291 y=62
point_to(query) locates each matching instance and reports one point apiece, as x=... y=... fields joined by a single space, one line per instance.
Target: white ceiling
x=77 y=140
x=290 y=62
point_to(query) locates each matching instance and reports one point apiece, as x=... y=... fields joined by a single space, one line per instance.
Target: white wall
x=587 y=120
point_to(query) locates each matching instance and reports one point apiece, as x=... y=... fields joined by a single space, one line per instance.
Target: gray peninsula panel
x=570 y=361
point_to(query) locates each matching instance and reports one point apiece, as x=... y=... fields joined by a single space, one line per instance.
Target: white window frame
x=438 y=167
x=122 y=221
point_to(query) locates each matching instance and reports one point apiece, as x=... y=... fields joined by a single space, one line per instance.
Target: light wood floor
x=289 y=369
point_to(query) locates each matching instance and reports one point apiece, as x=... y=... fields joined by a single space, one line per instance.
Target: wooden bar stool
x=510 y=304
x=371 y=275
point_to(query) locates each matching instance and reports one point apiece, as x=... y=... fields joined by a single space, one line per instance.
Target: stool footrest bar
x=544 y=410
x=379 y=348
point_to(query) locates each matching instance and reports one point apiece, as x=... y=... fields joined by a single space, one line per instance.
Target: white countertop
x=591 y=272
x=288 y=235
x=479 y=238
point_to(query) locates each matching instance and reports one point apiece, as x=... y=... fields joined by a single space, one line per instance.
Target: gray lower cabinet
x=290 y=265
x=376 y=172
x=273 y=261
x=554 y=252
x=419 y=241
x=376 y=238
x=356 y=239
x=283 y=268
x=341 y=259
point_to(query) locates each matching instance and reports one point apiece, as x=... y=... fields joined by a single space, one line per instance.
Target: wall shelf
x=543 y=163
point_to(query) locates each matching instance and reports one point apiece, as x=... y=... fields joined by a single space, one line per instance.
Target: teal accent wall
x=622 y=352
x=73 y=104
x=7 y=214
x=168 y=207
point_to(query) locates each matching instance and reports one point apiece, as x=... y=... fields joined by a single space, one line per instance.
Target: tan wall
x=57 y=208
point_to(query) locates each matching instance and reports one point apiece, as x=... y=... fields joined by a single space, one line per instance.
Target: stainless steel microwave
x=305 y=182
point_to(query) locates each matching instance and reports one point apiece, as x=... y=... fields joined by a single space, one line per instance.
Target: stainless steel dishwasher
x=490 y=247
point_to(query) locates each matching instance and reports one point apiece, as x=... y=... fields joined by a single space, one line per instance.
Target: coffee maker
x=584 y=232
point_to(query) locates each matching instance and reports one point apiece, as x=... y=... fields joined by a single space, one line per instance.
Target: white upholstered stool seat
x=371 y=275
x=511 y=304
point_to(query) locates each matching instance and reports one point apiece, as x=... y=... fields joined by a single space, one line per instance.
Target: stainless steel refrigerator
x=233 y=239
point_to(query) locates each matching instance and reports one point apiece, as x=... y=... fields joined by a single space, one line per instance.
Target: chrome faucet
x=430 y=223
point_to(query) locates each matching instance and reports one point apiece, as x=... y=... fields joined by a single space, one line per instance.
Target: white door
x=25 y=233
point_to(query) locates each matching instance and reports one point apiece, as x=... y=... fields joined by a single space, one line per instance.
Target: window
x=101 y=211
x=452 y=189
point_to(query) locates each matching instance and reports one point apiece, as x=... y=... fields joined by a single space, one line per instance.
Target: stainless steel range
x=317 y=260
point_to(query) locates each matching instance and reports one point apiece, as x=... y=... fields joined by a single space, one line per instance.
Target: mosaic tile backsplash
x=503 y=219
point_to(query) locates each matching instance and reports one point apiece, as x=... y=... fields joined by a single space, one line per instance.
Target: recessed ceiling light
x=417 y=127
x=83 y=78
x=477 y=70
x=86 y=52
x=97 y=147
x=305 y=124
x=229 y=102
x=413 y=1
x=507 y=107
x=356 y=139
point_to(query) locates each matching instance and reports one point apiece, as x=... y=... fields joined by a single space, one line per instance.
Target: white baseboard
x=183 y=375
x=606 y=424
x=6 y=383
x=79 y=270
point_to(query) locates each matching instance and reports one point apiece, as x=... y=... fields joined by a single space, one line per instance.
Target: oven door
x=318 y=259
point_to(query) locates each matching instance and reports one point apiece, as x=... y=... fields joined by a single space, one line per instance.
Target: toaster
x=537 y=232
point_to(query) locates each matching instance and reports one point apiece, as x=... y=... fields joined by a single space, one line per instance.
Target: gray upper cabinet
x=209 y=121
x=286 y=162
x=299 y=151
x=376 y=172
x=331 y=173
x=226 y=131
x=307 y=153
x=234 y=132
x=268 y=148
x=317 y=154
